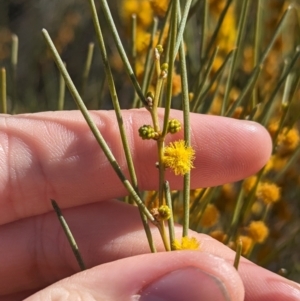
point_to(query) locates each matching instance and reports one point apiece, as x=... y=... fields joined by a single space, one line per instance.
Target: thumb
x=176 y=276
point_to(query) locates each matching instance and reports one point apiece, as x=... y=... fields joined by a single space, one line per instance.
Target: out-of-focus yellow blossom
x=217 y=63
x=249 y=183
x=215 y=108
x=159 y=7
x=258 y=231
x=191 y=96
x=238 y=112
x=218 y=235
x=151 y=199
x=210 y=216
x=226 y=200
x=227 y=34
x=66 y=32
x=195 y=192
x=142 y=10
x=186 y=243
x=288 y=140
x=179 y=157
x=142 y=40
x=176 y=84
x=248 y=59
x=228 y=191
x=216 y=6
x=268 y=192
x=5 y=41
x=275 y=163
x=257 y=208
x=247 y=243
x=270 y=69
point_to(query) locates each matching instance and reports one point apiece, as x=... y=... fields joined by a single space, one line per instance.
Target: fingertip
x=228 y=150
x=161 y=276
x=260 y=141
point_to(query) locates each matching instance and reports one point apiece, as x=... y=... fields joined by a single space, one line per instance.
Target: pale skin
x=53 y=155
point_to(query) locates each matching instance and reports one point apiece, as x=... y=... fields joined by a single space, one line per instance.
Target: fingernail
x=185 y=284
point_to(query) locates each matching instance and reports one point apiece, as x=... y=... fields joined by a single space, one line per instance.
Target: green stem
x=197 y=200
x=197 y=104
x=171 y=219
x=275 y=36
x=3 y=100
x=203 y=34
x=172 y=55
x=236 y=216
x=122 y=52
x=187 y=133
x=216 y=31
x=250 y=84
x=257 y=45
x=69 y=235
x=182 y=24
x=147 y=69
x=133 y=41
x=203 y=79
x=87 y=68
x=14 y=64
x=102 y=143
x=117 y=109
x=163 y=234
x=267 y=110
x=61 y=93
x=238 y=254
x=240 y=35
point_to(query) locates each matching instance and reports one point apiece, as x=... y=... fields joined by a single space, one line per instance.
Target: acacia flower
x=179 y=157
x=218 y=235
x=210 y=216
x=159 y=6
x=288 y=140
x=258 y=231
x=268 y=192
x=186 y=243
x=249 y=183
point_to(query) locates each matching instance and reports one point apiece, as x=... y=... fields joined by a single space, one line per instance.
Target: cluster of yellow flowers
x=145 y=11
x=248 y=212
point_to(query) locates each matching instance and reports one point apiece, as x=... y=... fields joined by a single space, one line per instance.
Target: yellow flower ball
x=179 y=157
x=218 y=235
x=258 y=231
x=210 y=216
x=268 y=192
x=288 y=140
x=186 y=243
x=159 y=7
x=249 y=183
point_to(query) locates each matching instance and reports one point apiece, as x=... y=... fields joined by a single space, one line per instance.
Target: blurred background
x=33 y=86
x=70 y=27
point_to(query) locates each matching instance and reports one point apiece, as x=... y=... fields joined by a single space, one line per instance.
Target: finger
x=175 y=276
x=54 y=156
x=108 y=231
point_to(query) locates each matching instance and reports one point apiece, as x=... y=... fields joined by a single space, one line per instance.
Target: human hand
x=53 y=155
